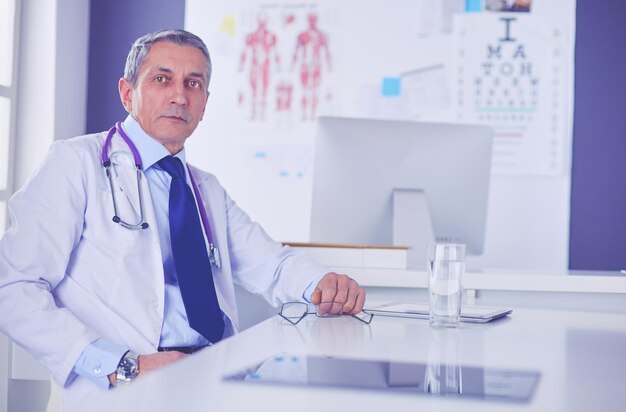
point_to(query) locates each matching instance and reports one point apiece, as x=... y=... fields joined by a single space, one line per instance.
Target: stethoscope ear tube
x=106 y=163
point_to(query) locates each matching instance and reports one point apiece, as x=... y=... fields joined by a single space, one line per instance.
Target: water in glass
x=445 y=292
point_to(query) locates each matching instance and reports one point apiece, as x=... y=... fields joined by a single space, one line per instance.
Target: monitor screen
x=360 y=163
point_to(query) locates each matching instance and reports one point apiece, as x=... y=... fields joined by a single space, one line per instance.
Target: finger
x=316 y=296
x=351 y=301
x=327 y=287
x=348 y=306
x=342 y=289
x=328 y=308
x=360 y=302
x=327 y=296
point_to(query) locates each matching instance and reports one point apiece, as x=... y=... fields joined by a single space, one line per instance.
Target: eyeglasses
x=294 y=312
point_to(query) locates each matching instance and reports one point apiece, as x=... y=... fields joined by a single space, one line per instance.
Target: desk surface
x=572 y=281
x=580 y=356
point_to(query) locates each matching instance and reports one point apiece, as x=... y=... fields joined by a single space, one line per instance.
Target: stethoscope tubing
x=106 y=163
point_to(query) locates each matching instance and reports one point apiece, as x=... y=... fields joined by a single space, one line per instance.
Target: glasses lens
x=294 y=310
x=364 y=317
x=327 y=309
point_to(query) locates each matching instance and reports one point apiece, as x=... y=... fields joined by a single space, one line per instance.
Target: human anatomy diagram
x=260 y=46
x=266 y=81
x=311 y=53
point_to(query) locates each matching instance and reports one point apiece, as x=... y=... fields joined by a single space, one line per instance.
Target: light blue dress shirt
x=101 y=357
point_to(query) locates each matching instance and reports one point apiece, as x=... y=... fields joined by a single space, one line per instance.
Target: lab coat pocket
x=104 y=231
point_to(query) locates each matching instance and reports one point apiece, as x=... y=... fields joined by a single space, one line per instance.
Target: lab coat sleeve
x=47 y=218
x=265 y=267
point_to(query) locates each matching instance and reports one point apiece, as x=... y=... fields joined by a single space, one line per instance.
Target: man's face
x=171 y=93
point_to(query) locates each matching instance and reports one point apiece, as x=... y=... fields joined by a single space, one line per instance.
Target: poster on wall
x=514 y=75
x=279 y=65
x=286 y=71
x=273 y=75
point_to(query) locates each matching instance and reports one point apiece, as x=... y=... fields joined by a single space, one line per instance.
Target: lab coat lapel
x=126 y=184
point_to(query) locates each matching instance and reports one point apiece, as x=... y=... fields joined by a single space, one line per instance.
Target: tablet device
x=472 y=314
x=410 y=378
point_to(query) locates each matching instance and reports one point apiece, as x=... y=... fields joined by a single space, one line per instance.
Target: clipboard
x=470 y=314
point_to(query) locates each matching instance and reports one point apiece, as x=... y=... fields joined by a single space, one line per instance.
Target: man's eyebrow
x=196 y=74
x=163 y=69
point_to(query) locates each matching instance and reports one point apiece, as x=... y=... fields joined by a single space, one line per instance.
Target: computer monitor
x=361 y=165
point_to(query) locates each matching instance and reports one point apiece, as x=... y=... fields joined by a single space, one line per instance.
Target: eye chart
x=512 y=75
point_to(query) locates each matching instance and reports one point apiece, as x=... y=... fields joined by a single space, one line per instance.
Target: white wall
x=527 y=225
x=528 y=219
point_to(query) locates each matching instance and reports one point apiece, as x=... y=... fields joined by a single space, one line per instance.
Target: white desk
x=580 y=356
x=588 y=291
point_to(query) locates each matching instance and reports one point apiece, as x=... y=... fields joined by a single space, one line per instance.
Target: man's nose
x=179 y=94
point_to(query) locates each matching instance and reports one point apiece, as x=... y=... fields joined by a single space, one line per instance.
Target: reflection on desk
x=433 y=378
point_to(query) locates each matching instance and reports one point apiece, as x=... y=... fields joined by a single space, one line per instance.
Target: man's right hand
x=148 y=363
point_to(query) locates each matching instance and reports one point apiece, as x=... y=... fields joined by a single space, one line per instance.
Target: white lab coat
x=69 y=275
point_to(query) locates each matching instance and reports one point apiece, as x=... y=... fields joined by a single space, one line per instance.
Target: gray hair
x=141 y=47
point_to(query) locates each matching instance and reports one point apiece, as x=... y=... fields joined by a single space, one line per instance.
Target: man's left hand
x=334 y=287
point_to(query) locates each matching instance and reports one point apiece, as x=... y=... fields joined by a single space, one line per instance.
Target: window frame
x=11 y=93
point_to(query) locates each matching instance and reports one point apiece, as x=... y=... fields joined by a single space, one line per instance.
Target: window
x=8 y=51
x=7 y=26
x=5 y=122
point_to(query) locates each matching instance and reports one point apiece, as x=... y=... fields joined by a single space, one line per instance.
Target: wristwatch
x=128 y=368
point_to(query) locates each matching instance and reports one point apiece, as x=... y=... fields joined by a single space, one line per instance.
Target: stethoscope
x=214 y=255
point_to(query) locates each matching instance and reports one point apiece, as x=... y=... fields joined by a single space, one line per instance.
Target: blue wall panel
x=598 y=199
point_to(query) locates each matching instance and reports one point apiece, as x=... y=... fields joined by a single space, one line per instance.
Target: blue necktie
x=191 y=260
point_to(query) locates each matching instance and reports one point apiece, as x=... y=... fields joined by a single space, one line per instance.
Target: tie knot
x=173 y=166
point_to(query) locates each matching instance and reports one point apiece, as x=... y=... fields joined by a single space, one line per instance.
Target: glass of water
x=446 y=266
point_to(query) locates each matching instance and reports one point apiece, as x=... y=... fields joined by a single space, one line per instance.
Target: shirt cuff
x=310 y=289
x=99 y=359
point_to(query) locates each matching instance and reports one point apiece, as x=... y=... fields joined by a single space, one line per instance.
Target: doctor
x=99 y=300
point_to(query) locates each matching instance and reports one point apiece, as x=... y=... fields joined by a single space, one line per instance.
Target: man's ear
x=125 y=89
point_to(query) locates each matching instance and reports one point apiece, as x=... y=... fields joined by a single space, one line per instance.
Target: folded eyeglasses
x=294 y=312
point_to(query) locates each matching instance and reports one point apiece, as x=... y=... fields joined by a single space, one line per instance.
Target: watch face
x=127 y=369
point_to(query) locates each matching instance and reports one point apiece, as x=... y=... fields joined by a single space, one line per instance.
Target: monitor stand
x=412 y=225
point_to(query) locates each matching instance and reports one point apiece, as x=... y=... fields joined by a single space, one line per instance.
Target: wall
x=597 y=229
x=266 y=162
x=598 y=200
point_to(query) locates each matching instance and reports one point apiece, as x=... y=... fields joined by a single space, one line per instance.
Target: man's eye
x=194 y=83
x=160 y=79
